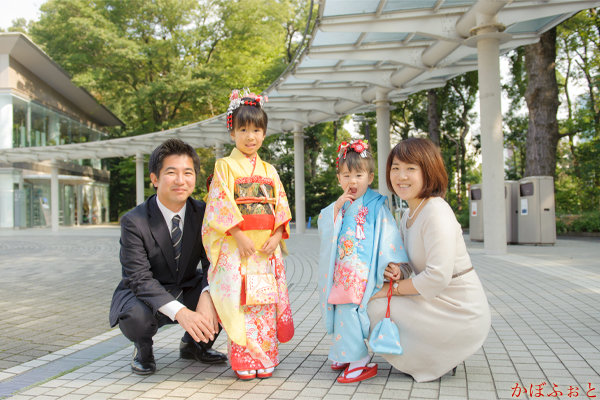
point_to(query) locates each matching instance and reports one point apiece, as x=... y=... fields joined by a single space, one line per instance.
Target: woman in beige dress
x=441 y=311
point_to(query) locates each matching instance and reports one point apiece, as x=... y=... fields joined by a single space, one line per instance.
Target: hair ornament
x=357 y=145
x=237 y=98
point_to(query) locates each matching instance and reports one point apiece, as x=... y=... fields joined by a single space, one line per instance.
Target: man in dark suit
x=161 y=250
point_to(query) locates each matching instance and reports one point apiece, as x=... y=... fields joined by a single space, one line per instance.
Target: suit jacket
x=149 y=270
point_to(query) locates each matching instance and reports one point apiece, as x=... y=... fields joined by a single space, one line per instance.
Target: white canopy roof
x=358 y=51
x=206 y=133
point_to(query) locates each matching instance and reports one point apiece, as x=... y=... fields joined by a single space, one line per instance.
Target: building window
x=35 y=125
x=20 y=133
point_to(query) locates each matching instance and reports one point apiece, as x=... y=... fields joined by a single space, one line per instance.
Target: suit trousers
x=139 y=324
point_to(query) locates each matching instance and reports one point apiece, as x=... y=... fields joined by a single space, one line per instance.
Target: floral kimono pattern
x=251 y=196
x=356 y=247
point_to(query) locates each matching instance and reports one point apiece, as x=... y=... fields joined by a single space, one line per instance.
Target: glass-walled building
x=37 y=125
x=40 y=107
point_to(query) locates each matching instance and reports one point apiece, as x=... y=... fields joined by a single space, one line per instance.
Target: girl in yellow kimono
x=247 y=217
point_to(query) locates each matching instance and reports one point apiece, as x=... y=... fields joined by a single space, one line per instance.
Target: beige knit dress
x=450 y=319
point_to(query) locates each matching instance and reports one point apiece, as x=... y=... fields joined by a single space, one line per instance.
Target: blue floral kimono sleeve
x=329 y=231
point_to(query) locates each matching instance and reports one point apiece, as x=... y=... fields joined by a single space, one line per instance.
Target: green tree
x=166 y=63
x=515 y=134
x=18 y=25
x=445 y=115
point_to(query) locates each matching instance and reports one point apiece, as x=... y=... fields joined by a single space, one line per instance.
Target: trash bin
x=511 y=205
x=476 y=213
x=536 y=217
x=511 y=192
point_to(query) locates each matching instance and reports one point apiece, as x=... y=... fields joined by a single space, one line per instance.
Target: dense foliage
x=166 y=63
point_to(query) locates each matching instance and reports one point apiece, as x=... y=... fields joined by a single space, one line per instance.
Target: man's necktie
x=176 y=238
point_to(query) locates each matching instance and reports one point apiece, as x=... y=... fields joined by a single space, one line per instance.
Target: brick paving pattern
x=56 y=289
x=545 y=325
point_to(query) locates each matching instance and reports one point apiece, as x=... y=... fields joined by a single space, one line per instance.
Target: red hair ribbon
x=357 y=145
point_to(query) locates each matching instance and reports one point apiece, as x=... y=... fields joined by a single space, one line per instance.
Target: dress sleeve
x=439 y=241
x=404 y=267
x=221 y=212
x=283 y=215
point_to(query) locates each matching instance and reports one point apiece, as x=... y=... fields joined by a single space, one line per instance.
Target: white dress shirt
x=172 y=308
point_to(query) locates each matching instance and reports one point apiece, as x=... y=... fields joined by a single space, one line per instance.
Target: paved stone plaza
x=55 y=341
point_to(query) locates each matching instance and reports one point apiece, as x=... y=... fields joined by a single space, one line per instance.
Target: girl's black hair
x=249 y=115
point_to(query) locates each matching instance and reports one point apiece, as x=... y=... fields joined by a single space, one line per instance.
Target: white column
x=6 y=109
x=219 y=150
x=492 y=140
x=79 y=205
x=299 y=179
x=383 y=108
x=54 y=190
x=7 y=200
x=139 y=178
x=106 y=201
x=6 y=142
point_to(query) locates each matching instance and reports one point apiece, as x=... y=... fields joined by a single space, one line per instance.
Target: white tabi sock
x=251 y=372
x=357 y=364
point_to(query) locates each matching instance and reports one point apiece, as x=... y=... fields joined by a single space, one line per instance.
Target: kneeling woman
x=442 y=312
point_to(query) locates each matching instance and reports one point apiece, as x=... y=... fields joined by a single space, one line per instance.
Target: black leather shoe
x=196 y=351
x=142 y=367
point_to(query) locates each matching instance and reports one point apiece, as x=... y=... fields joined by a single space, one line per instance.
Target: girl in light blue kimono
x=359 y=244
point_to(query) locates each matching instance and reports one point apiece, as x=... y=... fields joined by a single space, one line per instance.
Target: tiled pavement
x=545 y=325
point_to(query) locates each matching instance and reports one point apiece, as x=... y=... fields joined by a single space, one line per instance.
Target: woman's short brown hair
x=428 y=157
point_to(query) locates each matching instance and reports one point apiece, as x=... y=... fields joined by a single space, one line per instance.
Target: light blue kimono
x=368 y=257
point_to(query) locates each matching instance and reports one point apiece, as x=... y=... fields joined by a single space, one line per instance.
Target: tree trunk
x=433 y=116
x=542 y=100
x=335 y=131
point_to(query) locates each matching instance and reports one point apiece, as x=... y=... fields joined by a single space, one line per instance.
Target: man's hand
x=392 y=272
x=201 y=324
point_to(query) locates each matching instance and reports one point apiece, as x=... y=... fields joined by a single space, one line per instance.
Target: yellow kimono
x=236 y=198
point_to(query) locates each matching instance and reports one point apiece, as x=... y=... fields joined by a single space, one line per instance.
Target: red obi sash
x=256 y=222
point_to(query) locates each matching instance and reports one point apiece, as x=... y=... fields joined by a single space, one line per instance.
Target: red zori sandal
x=245 y=376
x=368 y=372
x=339 y=367
x=264 y=373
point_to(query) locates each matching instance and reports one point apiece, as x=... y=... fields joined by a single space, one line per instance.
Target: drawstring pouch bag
x=385 y=338
x=259 y=288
